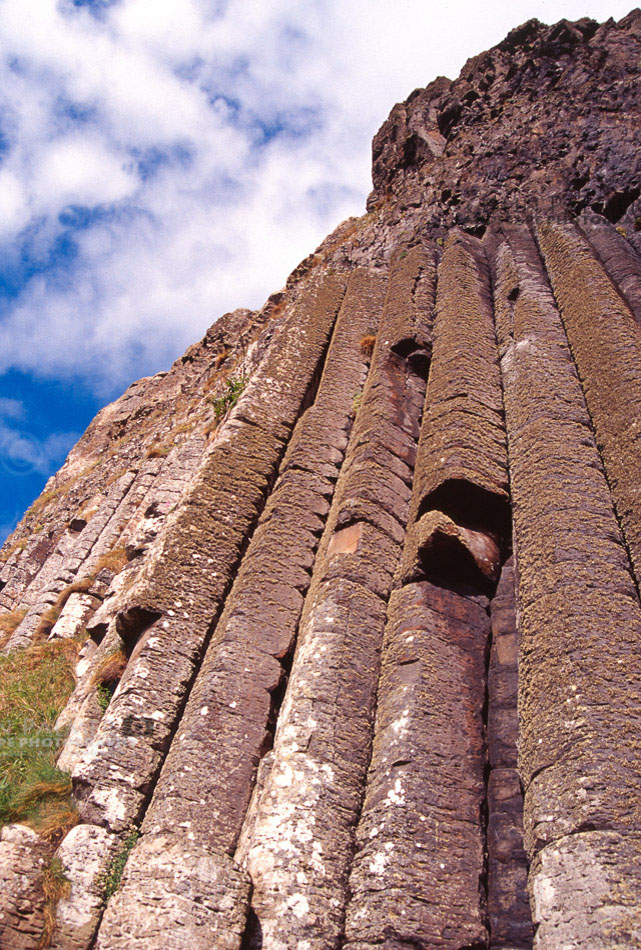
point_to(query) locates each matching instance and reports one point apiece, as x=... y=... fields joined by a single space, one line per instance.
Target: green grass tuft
x=222 y=404
x=104 y=694
x=36 y=684
x=55 y=886
x=113 y=874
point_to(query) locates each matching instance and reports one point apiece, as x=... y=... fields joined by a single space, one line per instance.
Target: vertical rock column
x=462 y=467
x=606 y=345
x=297 y=843
x=621 y=263
x=508 y=909
x=180 y=590
x=199 y=803
x=23 y=859
x=417 y=878
x=420 y=849
x=62 y=566
x=580 y=633
x=22 y=567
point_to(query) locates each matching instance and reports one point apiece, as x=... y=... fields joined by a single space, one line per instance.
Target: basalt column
x=605 y=341
x=171 y=607
x=508 y=909
x=420 y=861
x=200 y=800
x=618 y=258
x=298 y=840
x=166 y=617
x=580 y=632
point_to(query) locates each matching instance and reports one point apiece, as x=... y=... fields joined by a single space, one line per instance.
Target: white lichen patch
x=400 y=725
x=113 y=806
x=396 y=795
x=299 y=905
x=377 y=864
x=284 y=776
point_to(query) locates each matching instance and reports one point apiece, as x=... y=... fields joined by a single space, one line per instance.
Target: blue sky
x=164 y=161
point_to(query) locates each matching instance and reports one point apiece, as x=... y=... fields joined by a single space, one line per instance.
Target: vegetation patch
x=185 y=427
x=367 y=344
x=104 y=695
x=351 y=229
x=18 y=546
x=56 y=887
x=50 y=616
x=222 y=404
x=44 y=499
x=107 y=676
x=86 y=514
x=113 y=874
x=114 y=560
x=159 y=450
x=8 y=623
x=111 y=667
x=278 y=308
x=48 y=496
x=118 y=444
x=210 y=428
x=36 y=684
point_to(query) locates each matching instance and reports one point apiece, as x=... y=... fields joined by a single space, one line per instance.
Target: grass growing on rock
x=50 y=616
x=367 y=344
x=104 y=694
x=114 y=560
x=8 y=623
x=222 y=404
x=36 y=684
x=113 y=874
x=56 y=887
x=19 y=545
x=159 y=450
x=107 y=676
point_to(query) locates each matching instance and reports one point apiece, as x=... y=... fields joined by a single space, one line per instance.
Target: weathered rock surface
x=177 y=895
x=23 y=857
x=85 y=856
x=362 y=662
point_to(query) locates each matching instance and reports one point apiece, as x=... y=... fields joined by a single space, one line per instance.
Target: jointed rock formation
x=309 y=570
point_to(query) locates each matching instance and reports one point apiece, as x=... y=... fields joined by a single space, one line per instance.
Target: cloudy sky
x=163 y=161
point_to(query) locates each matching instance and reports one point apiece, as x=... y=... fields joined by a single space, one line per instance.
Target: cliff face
x=300 y=580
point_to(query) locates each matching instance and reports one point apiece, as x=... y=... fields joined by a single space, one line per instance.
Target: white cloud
x=12 y=202
x=77 y=170
x=219 y=143
x=11 y=408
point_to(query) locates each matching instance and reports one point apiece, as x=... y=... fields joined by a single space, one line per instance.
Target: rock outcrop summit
x=343 y=610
